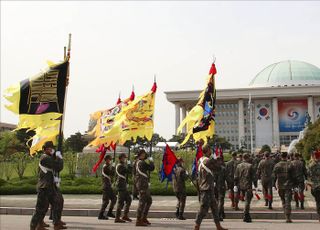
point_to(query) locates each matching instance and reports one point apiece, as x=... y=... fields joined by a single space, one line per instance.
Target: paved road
x=164 y=203
x=12 y=222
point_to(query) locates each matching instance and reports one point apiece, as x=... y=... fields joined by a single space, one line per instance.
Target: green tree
x=265 y=148
x=20 y=160
x=9 y=144
x=75 y=143
x=311 y=140
x=70 y=159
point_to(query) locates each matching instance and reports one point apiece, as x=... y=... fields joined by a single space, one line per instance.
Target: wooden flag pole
x=66 y=58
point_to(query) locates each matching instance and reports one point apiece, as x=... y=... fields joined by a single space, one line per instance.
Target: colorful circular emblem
x=293 y=115
x=263 y=112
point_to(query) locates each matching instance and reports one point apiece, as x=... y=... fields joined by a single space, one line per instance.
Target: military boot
x=118 y=220
x=302 y=205
x=177 y=212
x=44 y=224
x=247 y=218
x=236 y=207
x=288 y=219
x=139 y=222
x=145 y=220
x=197 y=227
x=266 y=203
x=126 y=218
x=180 y=217
x=102 y=216
x=297 y=204
x=270 y=205
x=218 y=226
x=110 y=214
x=59 y=226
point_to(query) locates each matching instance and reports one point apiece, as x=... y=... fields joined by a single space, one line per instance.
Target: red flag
x=168 y=162
x=213 y=69
x=102 y=150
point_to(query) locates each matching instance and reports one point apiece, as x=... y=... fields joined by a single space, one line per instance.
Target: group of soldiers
x=140 y=170
x=288 y=175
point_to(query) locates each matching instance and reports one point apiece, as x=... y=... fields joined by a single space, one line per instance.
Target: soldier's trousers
x=44 y=197
x=108 y=195
x=134 y=189
x=124 y=200
x=181 y=201
x=267 y=190
x=316 y=194
x=58 y=202
x=286 y=197
x=248 y=197
x=207 y=200
x=145 y=201
x=221 y=196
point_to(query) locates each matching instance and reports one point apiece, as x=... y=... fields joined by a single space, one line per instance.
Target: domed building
x=283 y=96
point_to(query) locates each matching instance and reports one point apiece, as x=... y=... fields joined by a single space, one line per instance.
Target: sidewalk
x=162 y=206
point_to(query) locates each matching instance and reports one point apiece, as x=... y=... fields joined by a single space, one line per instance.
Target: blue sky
x=119 y=44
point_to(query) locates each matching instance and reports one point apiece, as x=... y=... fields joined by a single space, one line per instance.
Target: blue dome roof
x=287 y=73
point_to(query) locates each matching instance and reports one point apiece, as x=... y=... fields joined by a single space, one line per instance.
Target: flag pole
x=66 y=58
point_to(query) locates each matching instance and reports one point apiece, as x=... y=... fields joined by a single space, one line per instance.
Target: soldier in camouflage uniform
x=107 y=172
x=142 y=181
x=206 y=167
x=244 y=179
x=301 y=176
x=230 y=170
x=283 y=174
x=314 y=179
x=264 y=173
x=220 y=188
x=124 y=198
x=179 y=177
x=134 y=185
x=46 y=188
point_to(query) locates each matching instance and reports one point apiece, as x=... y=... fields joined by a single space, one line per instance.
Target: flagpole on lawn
x=250 y=111
x=66 y=58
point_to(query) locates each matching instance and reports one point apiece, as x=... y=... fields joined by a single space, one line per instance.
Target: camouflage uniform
x=264 y=173
x=107 y=192
x=300 y=175
x=46 y=190
x=220 y=189
x=179 y=187
x=314 y=179
x=124 y=198
x=134 y=185
x=244 y=178
x=283 y=174
x=206 y=187
x=230 y=170
x=142 y=183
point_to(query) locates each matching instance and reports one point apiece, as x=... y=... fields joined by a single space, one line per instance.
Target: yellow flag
x=105 y=120
x=134 y=120
x=200 y=122
x=39 y=101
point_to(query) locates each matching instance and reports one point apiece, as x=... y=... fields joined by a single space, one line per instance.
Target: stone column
x=184 y=114
x=177 y=107
x=275 y=122
x=241 y=121
x=311 y=108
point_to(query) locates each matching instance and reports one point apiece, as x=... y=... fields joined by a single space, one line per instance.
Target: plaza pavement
x=14 y=222
x=162 y=207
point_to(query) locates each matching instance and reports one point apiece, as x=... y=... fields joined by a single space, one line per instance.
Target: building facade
x=283 y=96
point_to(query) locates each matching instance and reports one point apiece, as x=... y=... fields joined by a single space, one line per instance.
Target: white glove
x=129 y=162
x=150 y=159
x=235 y=189
x=113 y=164
x=187 y=173
x=58 y=154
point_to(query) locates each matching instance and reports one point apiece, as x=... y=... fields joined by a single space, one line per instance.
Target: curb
x=271 y=215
